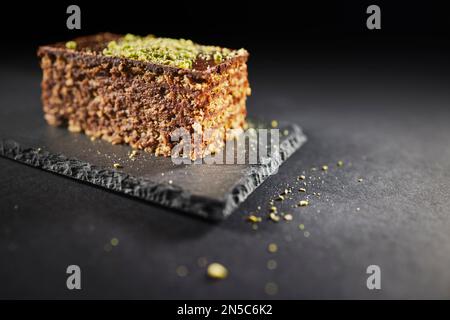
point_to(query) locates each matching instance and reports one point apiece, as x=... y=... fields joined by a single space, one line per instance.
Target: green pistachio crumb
x=72 y=45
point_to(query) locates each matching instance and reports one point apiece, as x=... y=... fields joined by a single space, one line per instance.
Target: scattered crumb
x=274 y=217
x=324 y=168
x=286 y=132
x=302 y=177
x=358 y=209
x=114 y=242
x=340 y=163
x=302 y=190
x=360 y=180
x=272 y=248
x=254 y=219
x=202 y=262
x=273 y=209
x=274 y=123
x=303 y=203
x=306 y=234
x=182 y=271
x=271 y=288
x=288 y=217
x=217 y=271
x=117 y=165
x=280 y=197
x=272 y=264
x=301 y=226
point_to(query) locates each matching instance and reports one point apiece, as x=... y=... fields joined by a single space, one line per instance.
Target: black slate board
x=209 y=191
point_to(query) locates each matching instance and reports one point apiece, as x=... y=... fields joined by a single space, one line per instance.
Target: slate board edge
x=162 y=194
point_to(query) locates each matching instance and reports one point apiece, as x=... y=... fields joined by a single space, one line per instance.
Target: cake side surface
x=137 y=102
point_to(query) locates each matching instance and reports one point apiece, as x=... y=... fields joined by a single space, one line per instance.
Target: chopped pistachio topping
x=117 y=165
x=303 y=203
x=340 y=163
x=178 y=53
x=324 y=167
x=71 y=45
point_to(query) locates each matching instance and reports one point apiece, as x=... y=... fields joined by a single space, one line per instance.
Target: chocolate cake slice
x=138 y=90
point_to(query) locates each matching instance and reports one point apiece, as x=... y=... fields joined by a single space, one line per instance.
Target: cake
x=138 y=89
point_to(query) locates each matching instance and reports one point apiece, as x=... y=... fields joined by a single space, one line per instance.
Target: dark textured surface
x=385 y=116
